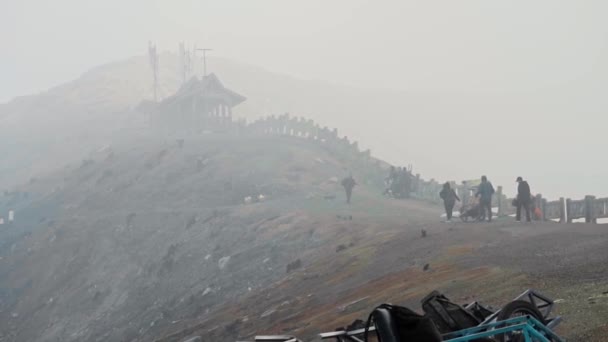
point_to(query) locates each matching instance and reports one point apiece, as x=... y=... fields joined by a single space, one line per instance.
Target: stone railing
x=286 y=125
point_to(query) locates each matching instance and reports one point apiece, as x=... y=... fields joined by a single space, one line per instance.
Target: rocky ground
x=152 y=241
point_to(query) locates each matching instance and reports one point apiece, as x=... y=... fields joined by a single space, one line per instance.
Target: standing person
x=485 y=192
x=449 y=197
x=348 y=183
x=524 y=199
x=390 y=181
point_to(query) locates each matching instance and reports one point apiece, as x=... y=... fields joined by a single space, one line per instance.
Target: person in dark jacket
x=449 y=197
x=348 y=183
x=485 y=192
x=524 y=199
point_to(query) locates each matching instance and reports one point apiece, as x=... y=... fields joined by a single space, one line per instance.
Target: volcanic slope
x=148 y=240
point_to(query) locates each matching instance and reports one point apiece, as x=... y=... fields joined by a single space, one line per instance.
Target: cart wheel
x=514 y=309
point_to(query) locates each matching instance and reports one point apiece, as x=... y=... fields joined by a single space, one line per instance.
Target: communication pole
x=153 y=56
x=185 y=57
x=204 y=60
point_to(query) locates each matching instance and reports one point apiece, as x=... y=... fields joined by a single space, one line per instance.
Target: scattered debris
x=340 y=248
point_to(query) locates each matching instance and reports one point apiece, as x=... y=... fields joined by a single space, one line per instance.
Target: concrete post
x=590 y=209
x=499 y=201
x=562 y=210
x=568 y=210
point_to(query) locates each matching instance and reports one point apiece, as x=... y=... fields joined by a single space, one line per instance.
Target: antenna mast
x=186 y=62
x=153 y=56
x=204 y=60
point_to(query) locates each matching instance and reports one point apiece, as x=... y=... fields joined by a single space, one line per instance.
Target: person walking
x=485 y=192
x=449 y=197
x=348 y=183
x=524 y=199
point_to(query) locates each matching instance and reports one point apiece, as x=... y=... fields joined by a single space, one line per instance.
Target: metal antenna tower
x=186 y=62
x=153 y=56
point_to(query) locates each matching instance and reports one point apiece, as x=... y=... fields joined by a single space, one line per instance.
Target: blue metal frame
x=530 y=328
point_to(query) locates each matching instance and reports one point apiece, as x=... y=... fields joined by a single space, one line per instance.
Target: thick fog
x=456 y=88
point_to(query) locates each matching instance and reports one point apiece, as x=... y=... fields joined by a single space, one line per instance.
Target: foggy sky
x=544 y=61
x=431 y=45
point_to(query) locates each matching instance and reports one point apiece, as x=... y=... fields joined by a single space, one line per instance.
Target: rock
x=268 y=313
x=426 y=267
x=294 y=265
x=423 y=233
x=340 y=248
x=223 y=262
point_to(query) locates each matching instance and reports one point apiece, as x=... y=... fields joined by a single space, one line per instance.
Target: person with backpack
x=449 y=197
x=485 y=192
x=524 y=199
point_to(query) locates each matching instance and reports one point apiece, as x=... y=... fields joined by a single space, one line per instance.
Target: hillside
x=147 y=240
x=137 y=222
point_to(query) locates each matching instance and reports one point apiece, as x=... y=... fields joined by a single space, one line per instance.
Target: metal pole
x=204 y=60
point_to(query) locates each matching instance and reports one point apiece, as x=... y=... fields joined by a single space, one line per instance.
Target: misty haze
x=188 y=170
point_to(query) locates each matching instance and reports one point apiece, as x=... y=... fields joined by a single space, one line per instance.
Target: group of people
x=483 y=199
x=399 y=182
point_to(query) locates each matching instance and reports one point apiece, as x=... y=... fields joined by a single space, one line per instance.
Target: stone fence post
x=562 y=210
x=590 y=209
x=501 y=208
